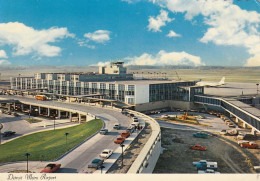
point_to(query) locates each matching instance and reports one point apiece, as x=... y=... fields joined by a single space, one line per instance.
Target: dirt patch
x=131 y=153
x=178 y=158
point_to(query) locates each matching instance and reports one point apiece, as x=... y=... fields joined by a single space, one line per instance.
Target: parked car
x=8 y=133
x=117 y=126
x=198 y=162
x=208 y=171
x=130 y=129
x=249 y=145
x=106 y=153
x=242 y=141
x=130 y=115
x=96 y=163
x=50 y=168
x=125 y=134
x=124 y=112
x=15 y=114
x=119 y=140
x=207 y=165
x=198 y=147
x=103 y=131
x=200 y=135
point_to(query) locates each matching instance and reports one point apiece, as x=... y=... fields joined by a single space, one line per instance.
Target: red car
x=125 y=134
x=119 y=140
x=198 y=147
x=50 y=168
x=249 y=145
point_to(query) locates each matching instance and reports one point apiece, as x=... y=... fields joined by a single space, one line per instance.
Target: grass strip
x=47 y=145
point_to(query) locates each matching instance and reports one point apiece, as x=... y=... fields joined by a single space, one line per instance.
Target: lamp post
x=27 y=155
x=101 y=167
x=66 y=134
x=122 y=146
x=1 y=127
x=257 y=88
x=54 y=122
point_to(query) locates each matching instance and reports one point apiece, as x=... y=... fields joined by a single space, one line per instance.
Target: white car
x=106 y=153
x=208 y=171
x=242 y=141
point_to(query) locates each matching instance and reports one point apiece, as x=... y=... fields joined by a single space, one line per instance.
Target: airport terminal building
x=113 y=83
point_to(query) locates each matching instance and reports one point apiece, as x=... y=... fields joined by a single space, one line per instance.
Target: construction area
x=177 y=157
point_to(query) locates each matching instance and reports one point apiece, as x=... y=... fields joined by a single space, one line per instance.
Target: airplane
x=212 y=84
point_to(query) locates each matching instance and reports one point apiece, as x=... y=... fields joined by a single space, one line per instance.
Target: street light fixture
x=122 y=146
x=257 y=88
x=27 y=155
x=66 y=134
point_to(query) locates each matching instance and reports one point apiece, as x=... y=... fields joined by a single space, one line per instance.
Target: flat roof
x=252 y=110
x=152 y=81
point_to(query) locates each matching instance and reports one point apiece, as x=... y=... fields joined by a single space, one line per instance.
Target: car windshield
x=50 y=166
x=105 y=152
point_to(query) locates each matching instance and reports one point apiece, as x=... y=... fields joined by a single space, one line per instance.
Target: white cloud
x=3 y=54
x=165 y=58
x=156 y=23
x=228 y=23
x=5 y=62
x=173 y=34
x=253 y=61
x=99 y=36
x=26 y=40
x=131 y=1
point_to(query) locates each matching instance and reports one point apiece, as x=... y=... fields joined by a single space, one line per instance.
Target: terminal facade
x=113 y=83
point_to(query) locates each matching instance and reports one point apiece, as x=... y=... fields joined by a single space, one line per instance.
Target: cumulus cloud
x=155 y=23
x=172 y=34
x=3 y=54
x=5 y=62
x=99 y=36
x=165 y=58
x=228 y=23
x=26 y=40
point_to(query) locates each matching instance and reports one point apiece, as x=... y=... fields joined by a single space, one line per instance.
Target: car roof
x=95 y=160
x=106 y=150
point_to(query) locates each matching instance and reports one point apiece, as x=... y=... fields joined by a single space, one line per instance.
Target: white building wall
x=141 y=93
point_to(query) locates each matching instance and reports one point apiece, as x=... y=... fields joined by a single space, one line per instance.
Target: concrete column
x=39 y=110
x=30 y=108
x=254 y=131
x=58 y=114
x=67 y=114
x=48 y=112
x=244 y=125
x=86 y=117
x=14 y=106
x=22 y=107
x=70 y=117
x=9 y=107
x=79 y=118
x=236 y=120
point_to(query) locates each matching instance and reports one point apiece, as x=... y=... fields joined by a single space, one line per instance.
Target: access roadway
x=77 y=160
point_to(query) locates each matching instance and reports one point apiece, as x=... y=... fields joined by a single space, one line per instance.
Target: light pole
x=66 y=134
x=27 y=155
x=122 y=146
x=54 y=122
x=101 y=167
x=257 y=88
x=1 y=127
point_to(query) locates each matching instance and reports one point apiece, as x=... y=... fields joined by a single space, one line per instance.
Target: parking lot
x=177 y=157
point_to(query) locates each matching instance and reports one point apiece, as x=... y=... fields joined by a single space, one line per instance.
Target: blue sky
x=139 y=32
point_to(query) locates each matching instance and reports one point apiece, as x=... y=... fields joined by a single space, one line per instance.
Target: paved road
x=77 y=160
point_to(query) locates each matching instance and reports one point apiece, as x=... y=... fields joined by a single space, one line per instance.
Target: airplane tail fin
x=222 y=81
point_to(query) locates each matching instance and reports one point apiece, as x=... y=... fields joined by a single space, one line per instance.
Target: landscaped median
x=48 y=145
